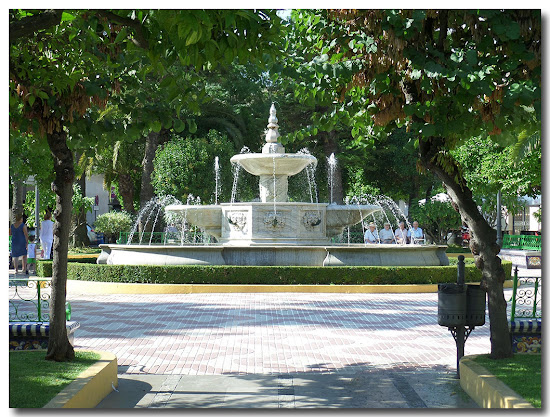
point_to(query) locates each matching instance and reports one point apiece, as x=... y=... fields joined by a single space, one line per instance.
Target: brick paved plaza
x=277 y=350
x=212 y=334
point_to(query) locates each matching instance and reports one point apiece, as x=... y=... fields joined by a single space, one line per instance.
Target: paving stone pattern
x=282 y=350
x=216 y=334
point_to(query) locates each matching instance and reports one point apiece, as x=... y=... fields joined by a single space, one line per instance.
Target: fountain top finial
x=272 y=133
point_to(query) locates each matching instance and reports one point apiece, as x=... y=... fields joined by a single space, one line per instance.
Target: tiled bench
x=33 y=335
x=526 y=335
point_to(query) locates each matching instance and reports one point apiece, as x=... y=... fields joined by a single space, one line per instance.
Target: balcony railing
x=523 y=242
x=526 y=297
x=29 y=299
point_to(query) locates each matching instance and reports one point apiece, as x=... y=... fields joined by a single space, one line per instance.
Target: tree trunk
x=59 y=348
x=336 y=189
x=147 y=192
x=18 y=193
x=79 y=236
x=126 y=190
x=482 y=243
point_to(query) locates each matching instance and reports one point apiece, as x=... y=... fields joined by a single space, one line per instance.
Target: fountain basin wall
x=275 y=255
x=246 y=224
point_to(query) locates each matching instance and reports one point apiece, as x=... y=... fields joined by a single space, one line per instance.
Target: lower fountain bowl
x=275 y=255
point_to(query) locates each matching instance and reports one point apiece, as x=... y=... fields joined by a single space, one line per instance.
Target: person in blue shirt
x=386 y=234
x=19 y=241
x=415 y=234
x=371 y=235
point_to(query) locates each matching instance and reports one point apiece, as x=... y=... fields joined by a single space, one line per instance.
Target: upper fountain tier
x=273 y=165
x=274 y=220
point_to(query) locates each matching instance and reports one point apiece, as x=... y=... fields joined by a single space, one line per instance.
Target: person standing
x=31 y=255
x=401 y=234
x=19 y=241
x=46 y=235
x=371 y=235
x=416 y=234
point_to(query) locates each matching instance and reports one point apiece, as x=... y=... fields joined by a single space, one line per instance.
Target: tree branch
x=29 y=25
x=139 y=40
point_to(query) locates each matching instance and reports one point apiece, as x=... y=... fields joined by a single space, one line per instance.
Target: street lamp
x=31 y=181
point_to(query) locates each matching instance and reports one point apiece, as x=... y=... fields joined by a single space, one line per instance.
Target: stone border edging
x=486 y=389
x=91 y=386
x=96 y=287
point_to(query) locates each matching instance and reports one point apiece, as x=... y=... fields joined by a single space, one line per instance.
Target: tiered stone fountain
x=274 y=231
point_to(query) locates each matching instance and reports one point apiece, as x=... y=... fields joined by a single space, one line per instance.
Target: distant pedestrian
x=19 y=241
x=31 y=254
x=46 y=235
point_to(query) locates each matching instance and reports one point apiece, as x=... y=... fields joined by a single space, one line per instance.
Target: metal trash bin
x=475 y=305
x=451 y=305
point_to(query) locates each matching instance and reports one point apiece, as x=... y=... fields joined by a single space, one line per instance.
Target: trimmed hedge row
x=271 y=275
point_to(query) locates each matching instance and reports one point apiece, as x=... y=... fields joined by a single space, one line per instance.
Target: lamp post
x=32 y=181
x=499 y=225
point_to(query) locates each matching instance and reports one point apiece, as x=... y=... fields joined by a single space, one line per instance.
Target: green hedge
x=43 y=268
x=90 y=259
x=457 y=249
x=272 y=275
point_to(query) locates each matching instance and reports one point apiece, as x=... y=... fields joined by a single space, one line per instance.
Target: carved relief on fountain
x=238 y=221
x=275 y=221
x=310 y=219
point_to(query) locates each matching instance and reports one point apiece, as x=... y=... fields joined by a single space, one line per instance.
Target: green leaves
x=179 y=125
x=192 y=125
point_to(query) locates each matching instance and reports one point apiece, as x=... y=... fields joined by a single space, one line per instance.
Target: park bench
x=526 y=315
x=29 y=305
x=33 y=335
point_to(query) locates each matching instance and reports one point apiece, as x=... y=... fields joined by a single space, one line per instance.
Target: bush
x=112 y=223
x=269 y=275
x=44 y=268
x=457 y=249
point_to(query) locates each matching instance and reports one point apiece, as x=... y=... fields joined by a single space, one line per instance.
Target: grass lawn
x=34 y=381
x=84 y=251
x=522 y=373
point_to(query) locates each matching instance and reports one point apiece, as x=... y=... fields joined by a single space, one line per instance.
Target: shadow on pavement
x=358 y=386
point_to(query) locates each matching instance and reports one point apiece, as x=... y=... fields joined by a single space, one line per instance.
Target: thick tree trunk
x=126 y=190
x=59 y=348
x=482 y=244
x=336 y=188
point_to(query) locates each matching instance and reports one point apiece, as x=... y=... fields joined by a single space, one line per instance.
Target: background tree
x=48 y=91
x=62 y=65
x=184 y=167
x=436 y=218
x=447 y=75
x=490 y=167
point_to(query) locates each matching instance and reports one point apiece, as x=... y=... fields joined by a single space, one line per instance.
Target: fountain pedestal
x=273 y=188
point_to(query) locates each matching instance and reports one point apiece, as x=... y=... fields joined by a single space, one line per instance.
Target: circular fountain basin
x=274 y=163
x=275 y=255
